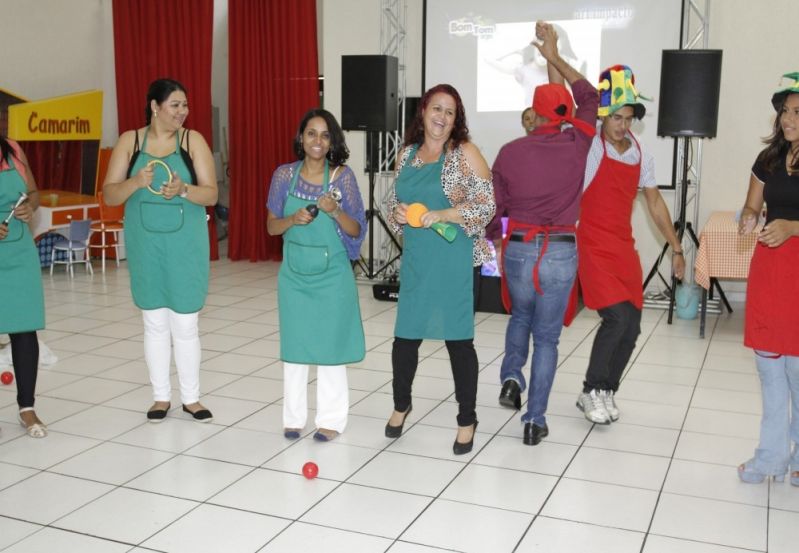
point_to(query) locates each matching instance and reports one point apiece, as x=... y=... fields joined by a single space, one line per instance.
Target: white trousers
x=162 y=329
x=332 y=396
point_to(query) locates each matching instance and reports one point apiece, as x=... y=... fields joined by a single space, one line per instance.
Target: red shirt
x=538 y=179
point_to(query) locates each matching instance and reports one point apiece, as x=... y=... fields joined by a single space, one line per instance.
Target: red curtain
x=165 y=38
x=56 y=165
x=273 y=81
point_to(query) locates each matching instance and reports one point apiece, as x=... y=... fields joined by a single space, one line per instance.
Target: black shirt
x=780 y=191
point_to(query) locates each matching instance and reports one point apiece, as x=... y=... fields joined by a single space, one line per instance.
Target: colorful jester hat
x=780 y=95
x=617 y=89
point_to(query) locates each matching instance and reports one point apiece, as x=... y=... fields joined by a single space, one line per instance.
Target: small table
x=723 y=253
x=58 y=207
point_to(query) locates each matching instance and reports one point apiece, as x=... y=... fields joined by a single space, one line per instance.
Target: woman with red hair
x=440 y=168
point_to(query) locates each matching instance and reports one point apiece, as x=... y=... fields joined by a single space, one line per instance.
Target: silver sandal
x=35 y=430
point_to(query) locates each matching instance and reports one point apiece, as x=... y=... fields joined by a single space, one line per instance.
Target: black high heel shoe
x=396 y=431
x=461 y=449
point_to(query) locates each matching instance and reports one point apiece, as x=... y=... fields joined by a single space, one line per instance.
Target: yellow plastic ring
x=168 y=172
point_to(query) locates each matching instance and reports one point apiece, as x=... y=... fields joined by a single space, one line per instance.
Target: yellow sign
x=71 y=117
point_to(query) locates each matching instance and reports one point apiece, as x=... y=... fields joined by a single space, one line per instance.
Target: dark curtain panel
x=273 y=81
x=56 y=165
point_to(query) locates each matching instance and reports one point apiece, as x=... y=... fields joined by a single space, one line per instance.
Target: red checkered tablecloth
x=723 y=253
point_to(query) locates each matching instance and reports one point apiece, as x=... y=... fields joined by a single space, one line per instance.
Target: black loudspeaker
x=690 y=81
x=386 y=291
x=369 y=93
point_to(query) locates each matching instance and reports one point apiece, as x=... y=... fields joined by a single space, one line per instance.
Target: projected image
x=509 y=67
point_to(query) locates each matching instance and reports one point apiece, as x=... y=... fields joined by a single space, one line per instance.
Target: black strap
x=184 y=155
x=135 y=155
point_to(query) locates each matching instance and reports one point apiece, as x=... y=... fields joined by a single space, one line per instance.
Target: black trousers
x=25 y=357
x=613 y=346
x=462 y=359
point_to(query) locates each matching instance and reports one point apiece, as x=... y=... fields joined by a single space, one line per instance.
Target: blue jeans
x=536 y=314
x=779 y=382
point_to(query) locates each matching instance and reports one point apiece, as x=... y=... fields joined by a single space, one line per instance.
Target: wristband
x=678 y=253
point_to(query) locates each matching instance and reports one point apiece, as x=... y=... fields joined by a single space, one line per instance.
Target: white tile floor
x=660 y=480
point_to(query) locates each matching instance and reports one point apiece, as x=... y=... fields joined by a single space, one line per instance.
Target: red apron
x=608 y=268
x=530 y=232
x=772 y=299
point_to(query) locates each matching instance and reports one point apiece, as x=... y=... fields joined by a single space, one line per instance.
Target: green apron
x=167 y=243
x=436 y=297
x=320 y=316
x=21 y=294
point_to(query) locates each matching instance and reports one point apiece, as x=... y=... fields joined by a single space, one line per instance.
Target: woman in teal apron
x=165 y=176
x=316 y=206
x=441 y=169
x=21 y=294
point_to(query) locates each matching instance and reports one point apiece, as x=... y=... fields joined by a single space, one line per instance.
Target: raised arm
x=558 y=69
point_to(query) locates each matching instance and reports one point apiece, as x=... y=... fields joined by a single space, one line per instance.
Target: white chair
x=110 y=223
x=76 y=240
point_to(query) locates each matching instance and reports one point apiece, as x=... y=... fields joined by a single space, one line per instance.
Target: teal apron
x=320 y=316
x=167 y=243
x=21 y=294
x=436 y=297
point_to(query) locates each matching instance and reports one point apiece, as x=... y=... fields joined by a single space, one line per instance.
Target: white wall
x=219 y=69
x=759 y=43
x=51 y=47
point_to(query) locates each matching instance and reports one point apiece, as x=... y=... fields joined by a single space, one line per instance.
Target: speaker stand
x=682 y=226
x=368 y=264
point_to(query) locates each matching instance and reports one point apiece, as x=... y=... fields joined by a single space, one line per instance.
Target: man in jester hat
x=609 y=269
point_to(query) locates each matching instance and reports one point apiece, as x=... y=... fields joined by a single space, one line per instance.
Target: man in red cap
x=538 y=182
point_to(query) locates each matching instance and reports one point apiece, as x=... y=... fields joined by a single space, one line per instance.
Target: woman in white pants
x=165 y=176
x=316 y=206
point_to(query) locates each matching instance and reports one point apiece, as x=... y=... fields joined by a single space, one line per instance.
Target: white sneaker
x=608 y=397
x=593 y=407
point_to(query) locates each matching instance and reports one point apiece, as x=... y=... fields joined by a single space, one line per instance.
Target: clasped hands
x=773 y=234
x=546 y=39
x=169 y=190
x=325 y=203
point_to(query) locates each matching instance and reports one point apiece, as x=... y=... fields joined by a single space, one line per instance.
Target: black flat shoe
x=157 y=415
x=201 y=415
x=533 y=434
x=511 y=395
x=462 y=449
x=396 y=431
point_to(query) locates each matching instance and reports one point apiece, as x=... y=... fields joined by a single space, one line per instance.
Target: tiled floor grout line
x=676 y=445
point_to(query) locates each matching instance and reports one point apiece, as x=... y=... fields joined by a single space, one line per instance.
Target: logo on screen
x=466 y=26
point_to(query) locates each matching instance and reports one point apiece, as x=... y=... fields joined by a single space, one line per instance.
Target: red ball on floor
x=310 y=470
x=6 y=378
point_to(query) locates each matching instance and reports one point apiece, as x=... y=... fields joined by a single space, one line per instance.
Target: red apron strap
x=503 y=283
x=530 y=233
